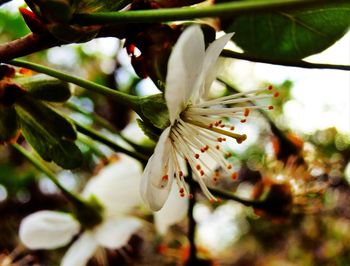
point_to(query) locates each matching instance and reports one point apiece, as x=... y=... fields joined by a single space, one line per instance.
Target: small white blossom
x=116 y=189
x=196 y=130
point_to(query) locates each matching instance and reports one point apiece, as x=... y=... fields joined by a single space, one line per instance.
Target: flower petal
x=81 y=251
x=154 y=188
x=115 y=233
x=209 y=70
x=173 y=211
x=184 y=67
x=117 y=185
x=47 y=230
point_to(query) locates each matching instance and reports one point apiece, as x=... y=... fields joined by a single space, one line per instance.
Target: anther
x=246 y=111
x=234 y=176
x=276 y=94
x=201 y=172
x=196 y=156
x=269 y=87
x=181 y=190
x=232 y=128
x=190 y=196
x=198 y=167
x=243 y=120
x=271 y=107
x=229 y=166
x=217 y=147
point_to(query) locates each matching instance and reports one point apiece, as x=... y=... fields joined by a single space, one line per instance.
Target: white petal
x=81 y=251
x=153 y=191
x=117 y=185
x=47 y=230
x=184 y=67
x=115 y=233
x=173 y=211
x=153 y=195
x=209 y=66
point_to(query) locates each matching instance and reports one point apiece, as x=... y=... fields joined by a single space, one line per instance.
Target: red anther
x=181 y=173
x=190 y=196
x=25 y=71
x=215 y=179
x=223 y=139
x=271 y=107
x=181 y=190
x=165 y=177
x=210 y=126
x=232 y=128
x=269 y=87
x=222 y=126
x=182 y=195
x=246 y=112
x=217 y=123
x=196 y=156
x=198 y=167
x=217 y=147
x=206 y=148
x=276 y=94
x=234 y=176
x=219 y=139
x=202 y=150
x=220 y=121
x=201 y=172
x=243 y=120
x=229 y=166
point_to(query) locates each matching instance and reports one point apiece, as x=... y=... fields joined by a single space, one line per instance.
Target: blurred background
x=298 y=155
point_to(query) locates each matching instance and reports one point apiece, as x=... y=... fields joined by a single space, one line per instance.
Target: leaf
x=50 y=146
x=46 y=88
x=293 y=34
x=9 y=125
x=155 y=111
x=149 y=130
x=52 y=121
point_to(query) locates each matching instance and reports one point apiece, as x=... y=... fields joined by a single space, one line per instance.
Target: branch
x=36 y=42
x=26 y=45
x=175 y=14
x=283 y=62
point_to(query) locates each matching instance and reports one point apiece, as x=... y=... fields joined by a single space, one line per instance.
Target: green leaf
x=52 y=121
x=46 y=88
x=49 y=145
x=9 y=125
x=155 y=111
x=290 y=34
x=149 y=130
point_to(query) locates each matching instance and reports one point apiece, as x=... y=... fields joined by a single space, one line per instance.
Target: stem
x=105 y=124
x=88 y=215
x=192 y=259
x=92 y=146
x=122 y=98
x=230 y=196
x=35 y=161
x=101 y=138
x=175 y=14
x=283 y=62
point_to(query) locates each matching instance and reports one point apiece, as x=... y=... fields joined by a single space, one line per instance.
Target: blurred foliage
x=314 y=231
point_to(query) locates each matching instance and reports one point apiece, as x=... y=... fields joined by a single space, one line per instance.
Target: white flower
x=196 y=131
x=116 y=189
